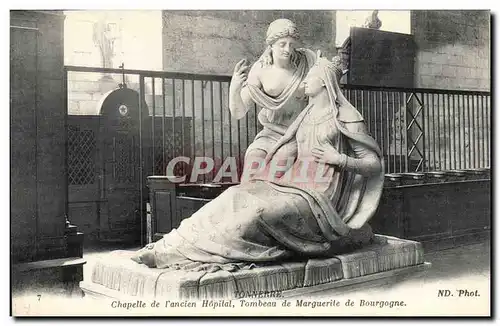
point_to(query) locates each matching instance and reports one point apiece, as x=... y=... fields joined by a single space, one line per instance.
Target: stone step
x=63 y=274
x=51 y=263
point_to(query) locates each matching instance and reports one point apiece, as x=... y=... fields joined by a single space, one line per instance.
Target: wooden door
x=123 y=174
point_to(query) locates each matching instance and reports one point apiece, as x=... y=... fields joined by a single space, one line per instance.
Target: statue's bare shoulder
x=255 y=74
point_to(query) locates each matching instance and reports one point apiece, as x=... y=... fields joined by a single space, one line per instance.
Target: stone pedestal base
x=388 y=258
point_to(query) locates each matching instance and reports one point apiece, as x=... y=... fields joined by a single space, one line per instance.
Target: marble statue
x=373 y=21
x=273 y=83
x=319 y=207
x=104 y=38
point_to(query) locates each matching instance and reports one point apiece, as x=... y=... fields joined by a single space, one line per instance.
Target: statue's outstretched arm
x=240 y=100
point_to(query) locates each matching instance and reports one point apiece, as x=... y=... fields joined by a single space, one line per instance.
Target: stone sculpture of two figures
x=313 y=177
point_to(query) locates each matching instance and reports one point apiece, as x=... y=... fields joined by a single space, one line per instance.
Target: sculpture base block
x=97 y=291
x=116 y=275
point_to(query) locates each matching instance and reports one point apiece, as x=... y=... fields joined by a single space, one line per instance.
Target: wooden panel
x=83 y=193
x=426 y=210
x=388 y=217
x=51 y=247
x=163 y=211
x=123 y=211
x=471 y=209
x=380 y=58
x=84 y=166
x=446 y=211
x=86 y=217
x=103 y=211
x=187 y=207
x=162 y=200
x=120 y=148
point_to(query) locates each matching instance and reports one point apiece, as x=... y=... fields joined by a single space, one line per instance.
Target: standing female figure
x=273 y=83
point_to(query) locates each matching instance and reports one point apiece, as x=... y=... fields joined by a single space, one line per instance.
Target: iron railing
x=198 y=116
x=419 y=130
x=423 y=130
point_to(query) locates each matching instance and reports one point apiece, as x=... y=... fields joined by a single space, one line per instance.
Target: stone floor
x=468 y=262
x=462 y=268
x=462 y=271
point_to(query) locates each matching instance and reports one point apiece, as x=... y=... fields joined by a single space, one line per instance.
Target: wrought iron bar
x=438 y=129
x=163 y=116
x=153 y=129
x=193 y=118
x=203 y=142
x=221 y=123
x=212 y=120
x=174 y=102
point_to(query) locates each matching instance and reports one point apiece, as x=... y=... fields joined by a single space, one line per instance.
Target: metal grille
x=81 y=156
x=125 y=159
x=422 y=130
x=164 y=152
x=415 y=130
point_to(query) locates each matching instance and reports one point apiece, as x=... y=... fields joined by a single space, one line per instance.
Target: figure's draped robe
x=275 y=112
x=265 y=222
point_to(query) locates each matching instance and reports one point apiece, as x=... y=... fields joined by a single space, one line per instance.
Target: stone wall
x=453 y=49
x=133 y=37
x=453 y=53
x=212 y=42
